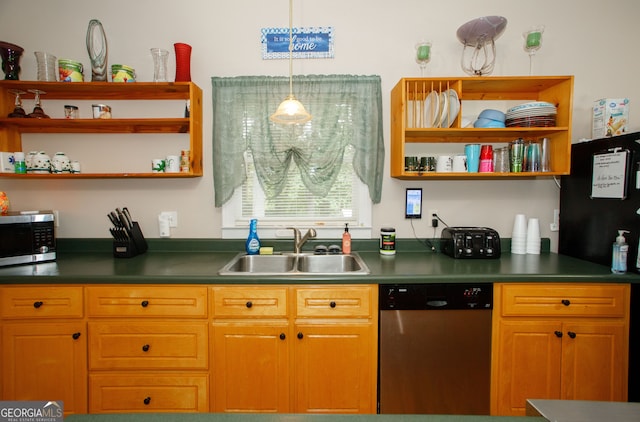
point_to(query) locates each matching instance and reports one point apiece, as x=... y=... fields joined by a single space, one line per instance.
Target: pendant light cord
x=291 y=48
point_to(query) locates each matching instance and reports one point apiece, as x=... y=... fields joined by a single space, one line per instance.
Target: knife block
x=135 y=245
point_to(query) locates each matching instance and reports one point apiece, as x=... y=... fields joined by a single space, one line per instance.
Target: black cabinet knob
x=566 y=302
x=332 y=304
x=144 y=303
x=145 y=348
x=147 y=400
x=571 y=334
x=558 y=333
x=282 y=336
x=75 y=336
x=249 y=304
x=37 y=304
x=300 y=336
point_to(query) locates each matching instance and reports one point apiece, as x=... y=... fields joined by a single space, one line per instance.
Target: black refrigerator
x=598 y=198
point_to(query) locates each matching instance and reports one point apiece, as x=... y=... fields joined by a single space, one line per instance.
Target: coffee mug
x=157 y=165
x=172 y=164
x=459 y=163
x=444 y=163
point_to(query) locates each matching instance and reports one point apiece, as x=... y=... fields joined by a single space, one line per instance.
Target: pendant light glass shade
x=290 y=111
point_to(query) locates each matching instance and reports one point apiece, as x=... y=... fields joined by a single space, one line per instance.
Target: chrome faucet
x=299 y=241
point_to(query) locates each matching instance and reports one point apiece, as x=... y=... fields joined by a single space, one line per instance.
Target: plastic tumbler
x=472 y=151
x=517 y=155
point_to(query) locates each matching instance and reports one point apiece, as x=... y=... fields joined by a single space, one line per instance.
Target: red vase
x=183 y=62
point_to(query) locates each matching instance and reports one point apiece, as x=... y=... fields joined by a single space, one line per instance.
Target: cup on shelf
x=444 y=164
x=459 y=163
x=472 y=151
x=157 y=165
x=172 y=164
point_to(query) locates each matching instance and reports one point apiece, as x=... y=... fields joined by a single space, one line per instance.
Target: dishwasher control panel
x=436 y=296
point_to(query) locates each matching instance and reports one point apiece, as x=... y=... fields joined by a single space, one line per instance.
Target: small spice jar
x=71 y=112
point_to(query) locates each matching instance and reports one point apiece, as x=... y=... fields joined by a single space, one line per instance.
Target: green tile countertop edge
x=198 y=261
x=226 y=417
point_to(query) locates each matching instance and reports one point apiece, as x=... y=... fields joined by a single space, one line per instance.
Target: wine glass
x=18 y=111
x=532 y=43
x=423 y=55
x=38 y=112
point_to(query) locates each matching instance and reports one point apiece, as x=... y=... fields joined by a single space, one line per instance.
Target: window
x=322 y=174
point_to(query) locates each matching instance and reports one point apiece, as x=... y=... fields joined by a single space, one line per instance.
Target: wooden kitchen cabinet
x=558 y=341
x=335 y=353
x=148 y=349
x=294 y=349
x=11 y=129
x=44 y=349
x=407 y=134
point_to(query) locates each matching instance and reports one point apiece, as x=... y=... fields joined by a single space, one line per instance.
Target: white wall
x=590 y=39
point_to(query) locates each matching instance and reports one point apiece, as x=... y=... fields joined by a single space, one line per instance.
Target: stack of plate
x=437 y=110
x=533 y=114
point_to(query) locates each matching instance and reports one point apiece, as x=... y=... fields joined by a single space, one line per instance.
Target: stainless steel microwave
x=27 y=237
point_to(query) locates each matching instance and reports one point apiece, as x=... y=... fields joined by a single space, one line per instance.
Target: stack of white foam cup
x=519 y=235
x=533 y=236
x=525 y=237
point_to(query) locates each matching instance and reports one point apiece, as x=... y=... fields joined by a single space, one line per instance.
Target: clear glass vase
x=97 y=48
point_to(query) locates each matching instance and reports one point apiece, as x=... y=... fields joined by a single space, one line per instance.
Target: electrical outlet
x=56 y=218
x=172 y=216
x=434 y=220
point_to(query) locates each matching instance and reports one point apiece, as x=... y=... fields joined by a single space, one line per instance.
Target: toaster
x=470 y=242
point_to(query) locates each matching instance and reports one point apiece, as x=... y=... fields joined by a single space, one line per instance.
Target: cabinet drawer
x=127 y=393
x=145 y=301
x=597 y=300
x=334 y=301
x=249 y=301
x=148 y=345
x=41 y=302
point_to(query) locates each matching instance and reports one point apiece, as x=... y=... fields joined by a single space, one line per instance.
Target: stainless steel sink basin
x=295 y=264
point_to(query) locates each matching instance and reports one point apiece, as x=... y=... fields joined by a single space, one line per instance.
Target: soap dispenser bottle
x=620 y=250
x=346 y=240
x=253 y=242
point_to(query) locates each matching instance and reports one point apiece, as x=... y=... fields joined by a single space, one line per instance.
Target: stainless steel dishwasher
x=435 y=348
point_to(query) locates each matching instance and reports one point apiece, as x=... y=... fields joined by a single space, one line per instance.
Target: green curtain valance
x=346 y=110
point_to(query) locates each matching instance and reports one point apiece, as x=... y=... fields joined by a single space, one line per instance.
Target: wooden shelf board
x=155 y=125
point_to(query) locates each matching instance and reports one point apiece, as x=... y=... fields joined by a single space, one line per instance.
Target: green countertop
x=226 y=417
x=198 y=262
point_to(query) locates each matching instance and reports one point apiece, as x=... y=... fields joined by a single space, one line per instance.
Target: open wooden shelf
x=11 y=129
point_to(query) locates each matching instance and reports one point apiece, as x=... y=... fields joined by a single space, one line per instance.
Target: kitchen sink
x=295 y=264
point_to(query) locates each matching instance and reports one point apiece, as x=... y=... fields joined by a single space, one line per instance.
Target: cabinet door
x=335 y=368
x=45 y=361
x=250 y=366
x=527 y=364
x=594 y=361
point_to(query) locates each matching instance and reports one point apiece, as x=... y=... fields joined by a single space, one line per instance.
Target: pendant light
x=290 y=111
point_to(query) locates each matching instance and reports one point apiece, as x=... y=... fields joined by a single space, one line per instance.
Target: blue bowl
x=492 y=115
x=488 y=123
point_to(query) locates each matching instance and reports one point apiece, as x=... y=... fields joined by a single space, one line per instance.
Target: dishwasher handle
x=437 y=303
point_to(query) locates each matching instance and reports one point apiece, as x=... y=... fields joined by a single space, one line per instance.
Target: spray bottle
x=620 y=250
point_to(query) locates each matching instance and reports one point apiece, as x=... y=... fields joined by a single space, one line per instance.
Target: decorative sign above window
x=308 y=43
